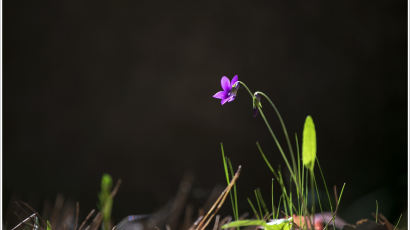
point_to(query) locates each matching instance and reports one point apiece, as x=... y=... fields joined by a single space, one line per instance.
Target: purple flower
x=229 y=89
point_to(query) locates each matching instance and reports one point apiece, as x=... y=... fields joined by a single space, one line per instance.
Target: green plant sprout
x=48 y=225
x=301 y=168
x=106 y=201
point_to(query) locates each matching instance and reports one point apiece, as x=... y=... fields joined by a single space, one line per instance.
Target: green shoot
x=273 y=206
x=48 y=225
x=277 y=211
x=234 y=191
x=253 y=209
x=337 y=206
x=233 y=202
x=106 y=201
x=317 y=194
x=397 y=224
x=325 y=185
x=264 y=207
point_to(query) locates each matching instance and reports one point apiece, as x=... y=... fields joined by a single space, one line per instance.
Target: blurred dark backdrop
x=125 y=87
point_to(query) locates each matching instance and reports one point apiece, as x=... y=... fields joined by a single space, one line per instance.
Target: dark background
x=125 y=87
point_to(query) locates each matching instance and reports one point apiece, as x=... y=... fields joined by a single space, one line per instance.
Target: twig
x=196 y=222
x=216 y=222
x=335 y=193
x=225 y=220
x=116 y=187
x=218 y=203
x=24 y=221
x=77 y=210
x=86 y=219
x=96 y=221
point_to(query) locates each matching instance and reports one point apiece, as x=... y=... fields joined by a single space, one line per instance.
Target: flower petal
x=223 y=101
x=220 y=95
x=234 y=80
x=231 y=98
x=225 y=84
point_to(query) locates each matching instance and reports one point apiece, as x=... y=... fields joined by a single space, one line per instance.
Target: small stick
x=86 y=219
x=335 y=192
x=219 y=202
x=196 y=222
x=225 y=220
x=25 y=220
x=77 y=210
x=96 y=221
x=216 y=222
x=115 y=190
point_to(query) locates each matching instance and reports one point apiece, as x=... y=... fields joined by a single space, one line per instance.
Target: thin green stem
x=253 y=209
x=317 y=194
x=324 y=184
x=246 y=87
x=337 y=206
x=234 y=210
x=397 y=224
x=283 y=126
x=277 y=144
x=273 y=207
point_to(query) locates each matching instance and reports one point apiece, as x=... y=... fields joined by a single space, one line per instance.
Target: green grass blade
x=264 y=207
x=277 y=211
x=236 y=208
x=397 y=224
x=244 y=223
x=273 y=206
x=253 y=209
x=258 y=203
x=48 y=225
x=298 y=193
x=317 y=193
x=325 y=185
x=227 y=177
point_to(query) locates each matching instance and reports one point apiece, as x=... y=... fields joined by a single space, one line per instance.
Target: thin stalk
x=277 y=144
x=253 y=209
x=337 y=207
x=265 y=209
x=258 y=203
x=227 y=177
x=283 y=126
x=246 y=87
x=397 y=224
x=277 y=211
x=273 y=207
x=377 y=210
x=317 y=193
x=234 y=192
x=324 y=184
x=312 y=194
x=299 y=174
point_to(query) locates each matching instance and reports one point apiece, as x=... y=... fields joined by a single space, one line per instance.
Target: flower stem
x=277 y=144
x=292 y=155
x=246 y=87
